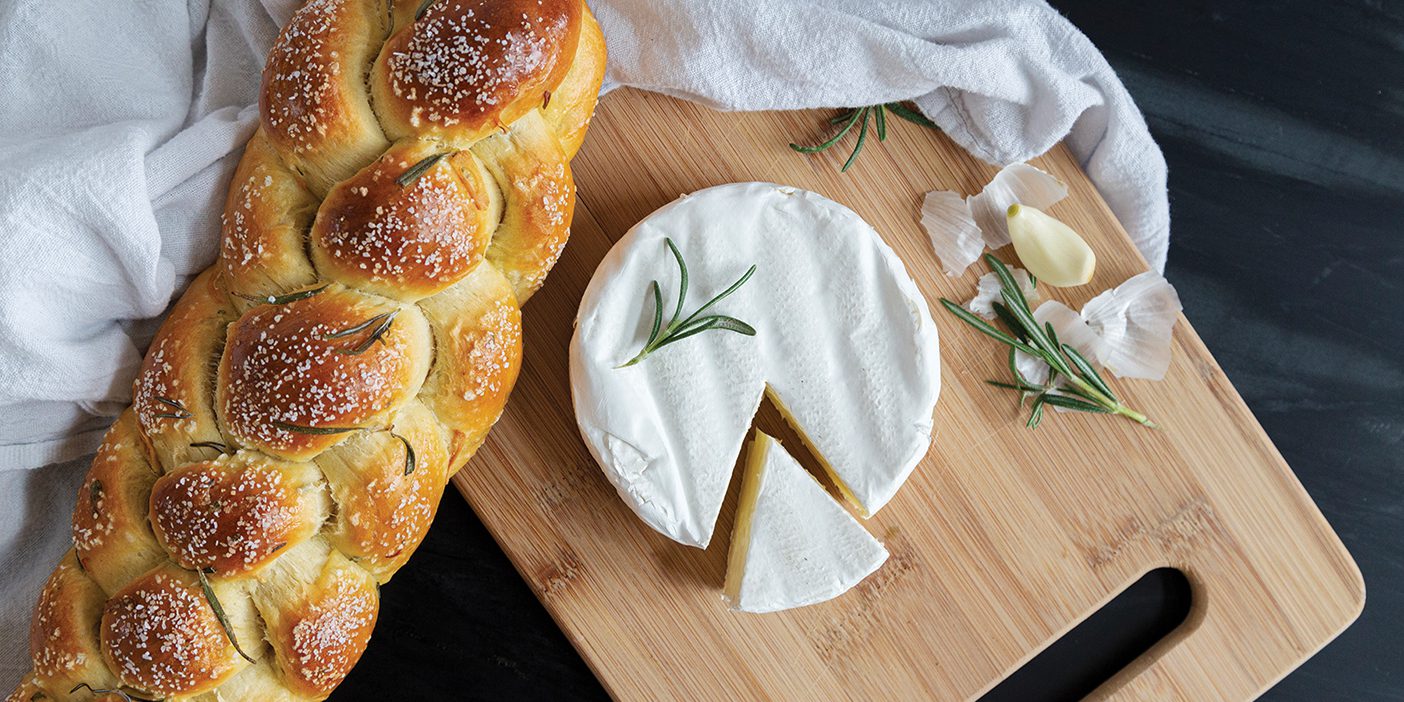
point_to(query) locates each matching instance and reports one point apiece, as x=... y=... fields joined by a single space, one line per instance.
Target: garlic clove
x=1050 y=249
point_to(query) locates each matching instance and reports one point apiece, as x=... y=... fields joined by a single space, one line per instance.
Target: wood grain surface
x=1003 y=538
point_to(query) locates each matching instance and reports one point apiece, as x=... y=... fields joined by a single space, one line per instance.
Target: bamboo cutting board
x=1002 y=540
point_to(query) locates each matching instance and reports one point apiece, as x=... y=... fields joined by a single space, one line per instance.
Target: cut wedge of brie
x=844 y=344
x=793 y=545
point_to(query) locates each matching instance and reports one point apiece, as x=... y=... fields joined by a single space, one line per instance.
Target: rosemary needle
x=412 y=173
x=859 y=116
x=219 y=613
x=409 y=453
x=681 y=328
x=1084 y=389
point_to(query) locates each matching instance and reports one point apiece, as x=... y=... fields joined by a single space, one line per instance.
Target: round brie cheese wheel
x=844 y=345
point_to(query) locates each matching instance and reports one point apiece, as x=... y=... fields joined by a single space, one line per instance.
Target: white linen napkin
x=120 y=124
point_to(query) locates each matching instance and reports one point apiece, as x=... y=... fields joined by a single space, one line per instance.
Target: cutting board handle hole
x=1103 y=644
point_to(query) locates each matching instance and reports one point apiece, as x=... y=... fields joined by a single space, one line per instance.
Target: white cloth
x=1006 y=79
x=120 y=124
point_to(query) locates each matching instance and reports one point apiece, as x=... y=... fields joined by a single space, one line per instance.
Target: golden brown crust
x=319 y=609
x=299 y=413
x=296 y=378
x=539 y=199
x=386 y=499
x=233 y=514
x=172 y=394
x=572 y=103
x=406 y=226
x=478 y=331
x=28 y=691
x=161 y=634
x=314 y=106
x=265 y=222
x=467 y=67
x=62 y=641
x=111 y=538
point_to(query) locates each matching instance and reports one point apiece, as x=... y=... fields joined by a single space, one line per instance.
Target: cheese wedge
x=844 y=344
x=793 y=545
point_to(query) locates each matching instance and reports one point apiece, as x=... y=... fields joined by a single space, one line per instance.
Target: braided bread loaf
x=299 y=413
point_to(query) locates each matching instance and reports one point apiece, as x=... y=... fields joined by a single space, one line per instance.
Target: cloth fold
x=121 y=126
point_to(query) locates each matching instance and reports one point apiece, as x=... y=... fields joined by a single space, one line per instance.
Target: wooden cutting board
x=1003 y=539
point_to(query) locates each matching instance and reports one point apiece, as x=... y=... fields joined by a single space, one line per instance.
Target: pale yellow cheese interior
x=814 y=451
x=741 y=533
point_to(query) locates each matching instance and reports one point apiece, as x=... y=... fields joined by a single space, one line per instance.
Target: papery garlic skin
x=1134 y=322
x=960 y=227
x=1127 y=330
x=955 y=237
x=1032 y=368
x=1072 y=329
x=1050 y=249
x=987 y=292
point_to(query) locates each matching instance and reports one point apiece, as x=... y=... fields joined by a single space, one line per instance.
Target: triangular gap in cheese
x=825 y=472
x=793 y=544
x=772 y=419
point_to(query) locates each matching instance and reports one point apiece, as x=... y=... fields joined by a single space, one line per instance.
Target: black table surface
x=1283 y=124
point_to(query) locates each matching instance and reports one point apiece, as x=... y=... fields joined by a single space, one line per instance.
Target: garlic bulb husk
x=1127 y=330
x=955 y=237
x=1031 y=368
x=1050 y=249
x=987 y=291
x=1134 y=322
x=1072 y=329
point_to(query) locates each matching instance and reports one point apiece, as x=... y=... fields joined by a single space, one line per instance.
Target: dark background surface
x=1283 y=124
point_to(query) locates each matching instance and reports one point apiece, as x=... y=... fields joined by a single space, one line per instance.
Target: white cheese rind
x=803 y=547
x=844 y=341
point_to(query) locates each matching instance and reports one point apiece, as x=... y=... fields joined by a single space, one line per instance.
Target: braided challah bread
x=299 y=413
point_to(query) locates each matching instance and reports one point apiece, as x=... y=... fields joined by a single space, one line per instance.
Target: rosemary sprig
x=1084 y=389
x=178 y=410
x=409 y=453
x=219 y=612
x=222 y=448
x=413 y=172
x=384 y=320
x=859 y=116
x=681 y=328
x=304 y=429
x=283 y=299
x=423 y=7
x=98 y=692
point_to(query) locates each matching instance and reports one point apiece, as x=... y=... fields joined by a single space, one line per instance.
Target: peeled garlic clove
x=1050 y=249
